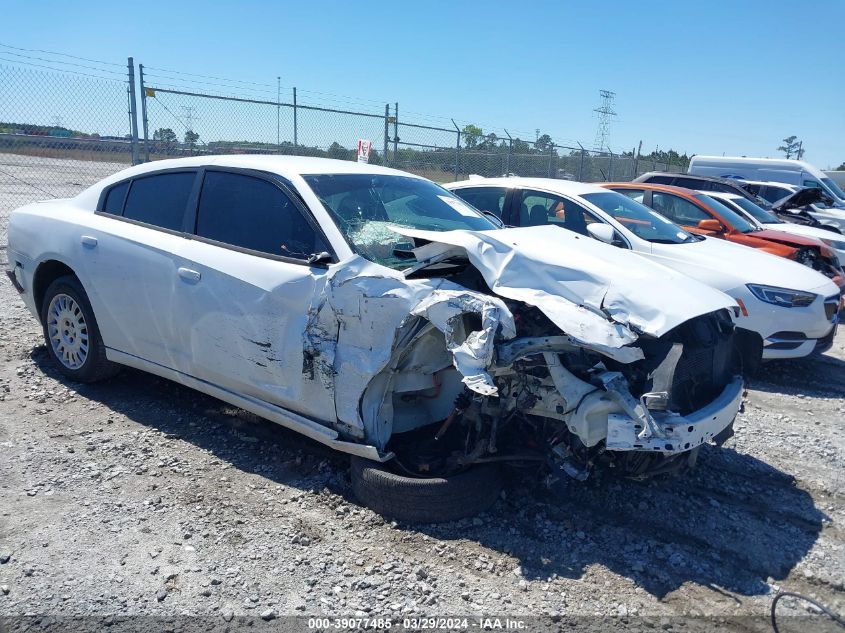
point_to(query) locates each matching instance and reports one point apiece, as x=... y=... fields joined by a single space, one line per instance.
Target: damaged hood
x=598 y=294
x=802 y=198
x=727 y=266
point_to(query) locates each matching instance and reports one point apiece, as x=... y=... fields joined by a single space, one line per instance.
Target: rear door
x=248 y=290
x=491 y=199
x=129 y=254
x=533 y=207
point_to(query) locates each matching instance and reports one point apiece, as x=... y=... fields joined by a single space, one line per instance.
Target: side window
x=634 y=194
x=538 y=208
x=677 y=209
x=753 y=189
x=484 y=198
x=692 y=183
x=252 y=213
x=115 y=198
x=773 y=194
x=812 y=183
x=661 y=180
x=160 y=200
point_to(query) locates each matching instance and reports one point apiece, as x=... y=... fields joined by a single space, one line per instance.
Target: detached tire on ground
x=417 y=500
x=71 y=332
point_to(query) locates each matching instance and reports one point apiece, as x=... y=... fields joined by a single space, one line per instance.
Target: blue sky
x=705 y=77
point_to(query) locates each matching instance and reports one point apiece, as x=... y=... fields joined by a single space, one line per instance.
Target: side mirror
x=602 y=232
x=321 y=258
x=711 y=225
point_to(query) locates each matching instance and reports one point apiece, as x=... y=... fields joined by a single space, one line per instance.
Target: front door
x=248 y=291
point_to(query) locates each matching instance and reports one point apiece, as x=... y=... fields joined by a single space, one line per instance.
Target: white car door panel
x=245 y=324
x=128 y=252
x=246 y=293
x=133 y=275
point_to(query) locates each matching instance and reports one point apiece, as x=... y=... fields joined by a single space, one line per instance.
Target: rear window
x=773 y=194
x=490 y=199
x=160 y=200
x=115 y=197
x=694 y=183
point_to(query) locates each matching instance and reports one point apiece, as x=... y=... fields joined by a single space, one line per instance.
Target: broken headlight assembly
x=783 y=297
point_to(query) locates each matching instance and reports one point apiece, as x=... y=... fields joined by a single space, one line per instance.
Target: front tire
x=71 y=332
x=425 y=500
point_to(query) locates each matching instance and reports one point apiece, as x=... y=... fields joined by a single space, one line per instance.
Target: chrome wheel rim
x=67 y=331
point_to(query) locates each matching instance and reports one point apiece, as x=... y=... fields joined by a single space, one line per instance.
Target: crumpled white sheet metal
x=370 y=303
x=600 y=295
x=474 y=355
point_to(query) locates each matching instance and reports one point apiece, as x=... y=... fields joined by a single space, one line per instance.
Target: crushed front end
x=560 y=402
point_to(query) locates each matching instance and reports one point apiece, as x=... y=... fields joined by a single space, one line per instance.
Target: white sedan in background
x=376 y=312
x=768 y=220
x=786 y=310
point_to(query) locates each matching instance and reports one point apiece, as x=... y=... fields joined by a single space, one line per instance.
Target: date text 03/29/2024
x=419 y=623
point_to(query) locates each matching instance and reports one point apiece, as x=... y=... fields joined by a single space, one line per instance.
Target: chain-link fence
x=442 y=154
x=61 y=130
x=180 y=123
x=66 y=122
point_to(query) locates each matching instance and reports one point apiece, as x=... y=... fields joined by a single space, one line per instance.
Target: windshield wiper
x=436 y=259
x=403 y=253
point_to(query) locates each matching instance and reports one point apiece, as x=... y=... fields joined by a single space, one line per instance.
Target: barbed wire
x=59 y=61
x=60 y=70
x=39 y=50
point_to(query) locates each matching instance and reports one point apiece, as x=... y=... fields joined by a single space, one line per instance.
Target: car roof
x=282 y=165
x=288 y=167
x=722 y=194
x=690 y=193
x=564 y=187
x=750 y=160
x=773 y=183
x=725 y=181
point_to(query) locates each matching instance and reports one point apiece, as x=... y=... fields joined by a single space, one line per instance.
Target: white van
x=793 y=172
x=838 y=177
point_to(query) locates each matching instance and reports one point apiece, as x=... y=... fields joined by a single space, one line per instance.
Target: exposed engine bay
x=558 y=402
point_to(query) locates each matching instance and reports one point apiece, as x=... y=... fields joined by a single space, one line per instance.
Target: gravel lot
x=140 y=497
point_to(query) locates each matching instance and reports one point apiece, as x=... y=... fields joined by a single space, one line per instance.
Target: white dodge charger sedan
x=786 y=310
x=378 y=313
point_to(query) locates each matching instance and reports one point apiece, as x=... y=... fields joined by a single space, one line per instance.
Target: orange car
x=699 y=213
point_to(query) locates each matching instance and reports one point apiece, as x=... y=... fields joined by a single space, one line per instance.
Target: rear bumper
x=678 y=434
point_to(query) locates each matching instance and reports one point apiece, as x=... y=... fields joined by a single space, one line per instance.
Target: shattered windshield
x=365 y=207
x=639 y=219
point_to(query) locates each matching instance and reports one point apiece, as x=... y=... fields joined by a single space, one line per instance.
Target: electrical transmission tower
x=189 y=117
x=604 y=111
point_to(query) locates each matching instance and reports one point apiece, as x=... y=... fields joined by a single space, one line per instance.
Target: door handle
x=89 y=241
x=187 y=274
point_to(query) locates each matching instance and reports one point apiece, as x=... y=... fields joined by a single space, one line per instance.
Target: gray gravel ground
x=140 y=497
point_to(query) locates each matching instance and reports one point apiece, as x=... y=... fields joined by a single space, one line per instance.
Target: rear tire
x=425 y=500
x=71 y=333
